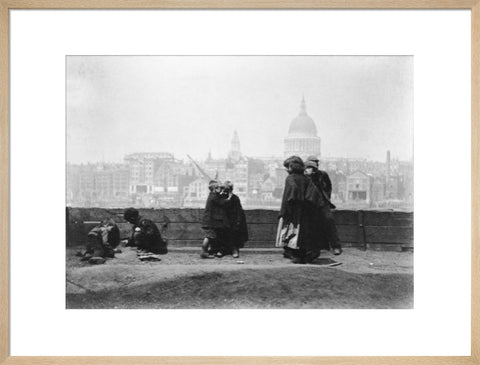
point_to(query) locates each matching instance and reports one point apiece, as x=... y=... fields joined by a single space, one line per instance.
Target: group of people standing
x=306 y=223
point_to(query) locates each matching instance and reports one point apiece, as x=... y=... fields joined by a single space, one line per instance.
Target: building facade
x=358 y=188
x=143 y=167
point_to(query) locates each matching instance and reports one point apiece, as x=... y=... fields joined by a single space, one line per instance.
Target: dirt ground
x=258 y=279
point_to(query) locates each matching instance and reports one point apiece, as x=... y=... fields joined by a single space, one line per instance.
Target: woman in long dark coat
x=315 y=202
x=295 y=224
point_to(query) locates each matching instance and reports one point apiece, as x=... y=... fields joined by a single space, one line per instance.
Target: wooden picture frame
x=7 y=5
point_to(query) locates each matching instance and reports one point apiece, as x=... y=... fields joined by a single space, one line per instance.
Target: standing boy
x=238 y=232
x=215 y=222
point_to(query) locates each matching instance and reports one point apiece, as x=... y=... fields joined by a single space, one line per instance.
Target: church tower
x=235 y=155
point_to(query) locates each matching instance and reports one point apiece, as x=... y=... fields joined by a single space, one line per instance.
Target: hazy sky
x=362 y=105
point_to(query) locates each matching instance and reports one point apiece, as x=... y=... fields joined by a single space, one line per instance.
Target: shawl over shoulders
x=293 y=197
x=295 y=186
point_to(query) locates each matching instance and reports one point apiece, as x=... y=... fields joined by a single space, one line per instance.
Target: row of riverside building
x=159 y=180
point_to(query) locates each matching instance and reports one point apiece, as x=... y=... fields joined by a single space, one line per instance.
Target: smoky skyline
x=362 y=106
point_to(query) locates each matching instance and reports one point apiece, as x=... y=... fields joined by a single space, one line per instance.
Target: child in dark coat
x=145 y=234
x=238 y=232
x=215 y=221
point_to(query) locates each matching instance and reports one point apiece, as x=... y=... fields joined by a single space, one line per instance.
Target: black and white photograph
x=239 y=182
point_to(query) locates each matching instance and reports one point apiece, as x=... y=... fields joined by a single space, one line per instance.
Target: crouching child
x=145 y=234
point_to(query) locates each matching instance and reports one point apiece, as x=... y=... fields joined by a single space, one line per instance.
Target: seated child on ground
x=102 y=242
x=145 y=234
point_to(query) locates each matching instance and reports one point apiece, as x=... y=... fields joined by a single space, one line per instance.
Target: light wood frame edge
x=7 y=5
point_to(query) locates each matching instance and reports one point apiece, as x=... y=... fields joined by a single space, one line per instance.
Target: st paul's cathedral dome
x=302 y=139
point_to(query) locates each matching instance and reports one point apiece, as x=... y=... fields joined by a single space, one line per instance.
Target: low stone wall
x=377 y=230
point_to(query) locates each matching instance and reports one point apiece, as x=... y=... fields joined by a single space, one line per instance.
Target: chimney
x=388 y=164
